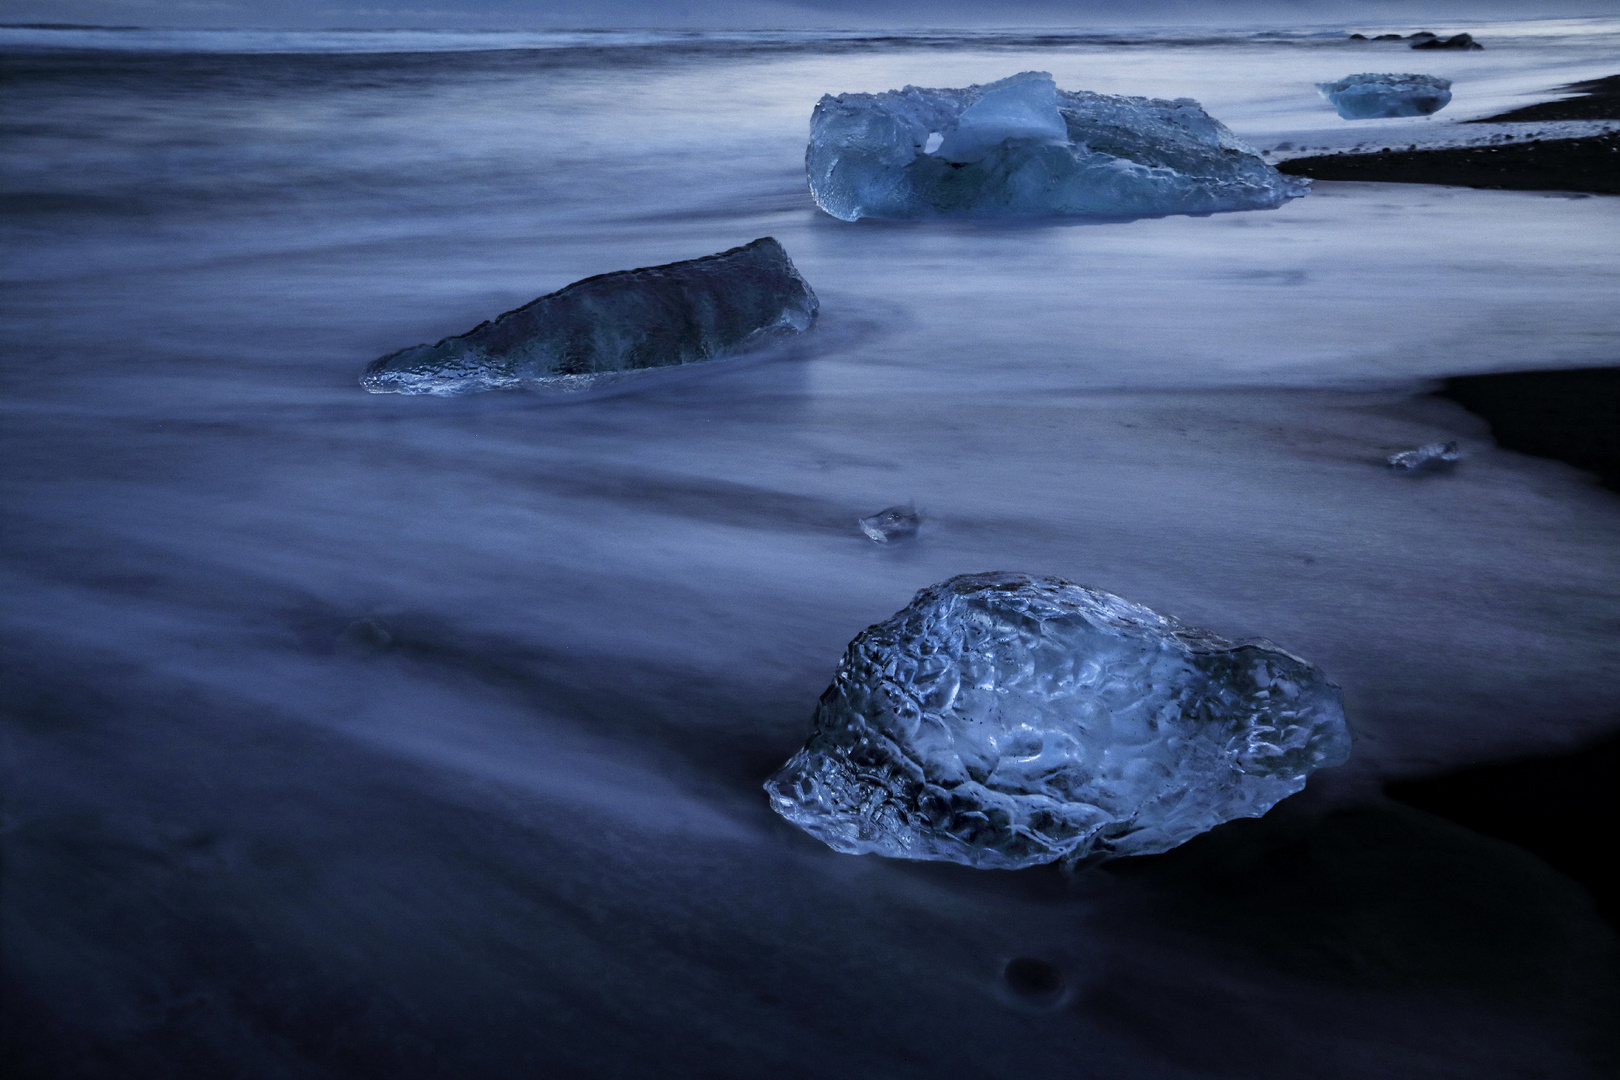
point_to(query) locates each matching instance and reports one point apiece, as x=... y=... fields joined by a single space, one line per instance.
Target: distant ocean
x=370 y=736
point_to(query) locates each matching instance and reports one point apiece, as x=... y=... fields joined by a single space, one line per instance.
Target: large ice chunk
x=1023 y=148
x=1004 y=720
x=1369 y=96
x=604 y=327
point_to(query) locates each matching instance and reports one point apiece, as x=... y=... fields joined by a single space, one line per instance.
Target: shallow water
x=354 y=735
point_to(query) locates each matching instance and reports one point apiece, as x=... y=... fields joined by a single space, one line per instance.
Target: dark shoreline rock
x=1571 y=416
x=1455 y=41
x=1590 y=164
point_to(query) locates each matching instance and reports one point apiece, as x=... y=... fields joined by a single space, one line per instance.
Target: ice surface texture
x=1370 y=96
x=1023 y=148
x=603 y=327
x=1429 y=457
x=1003 y=720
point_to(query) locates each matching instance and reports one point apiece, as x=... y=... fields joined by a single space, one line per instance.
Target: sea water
x=353 y=733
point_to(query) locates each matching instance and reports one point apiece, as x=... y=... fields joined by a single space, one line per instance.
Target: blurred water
x=351 y=735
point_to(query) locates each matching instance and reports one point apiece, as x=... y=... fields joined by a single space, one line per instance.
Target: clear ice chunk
x=1023 y=148
x=891 y=525
x=1022 y=107
x=605 y=327
x=1003 y=721
x=1370 y=96
x=1435 y=455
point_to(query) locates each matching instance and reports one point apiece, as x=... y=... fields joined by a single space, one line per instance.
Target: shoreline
x=1571 y=415
x=1590 y=165
x=1586 y=163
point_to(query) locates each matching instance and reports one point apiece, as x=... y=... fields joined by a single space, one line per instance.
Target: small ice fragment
x=1021 y=147
x=1003 y=721
x=895 y=523
x=1430 y=456
x=604 y=327
x=367 y=633
x=1370 y=95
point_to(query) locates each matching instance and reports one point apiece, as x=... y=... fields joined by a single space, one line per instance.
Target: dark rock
x=1456 y=41
x=1389 y=37
x=1358 y=37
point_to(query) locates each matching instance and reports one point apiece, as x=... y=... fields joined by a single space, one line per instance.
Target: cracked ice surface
x=1373 y=96
x=1021 y=147
x=1003 y=721
x=604 y=327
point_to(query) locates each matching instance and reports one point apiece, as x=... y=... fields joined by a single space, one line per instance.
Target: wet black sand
x=1562 y=807
x=1597 y=99
x=1572 y=416
x=1587 y=165
x=1590 y=164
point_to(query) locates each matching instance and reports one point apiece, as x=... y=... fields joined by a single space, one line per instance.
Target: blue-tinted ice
x=1427 y=458
x=1371 y=96
x=1023 y=148
x=891 y=525
x=604 y=327
x=1003 y=721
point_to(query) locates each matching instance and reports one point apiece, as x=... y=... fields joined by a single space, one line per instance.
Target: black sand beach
x=1589 y=165
x=348 y=735
x=1571 y=416
x=1596 y=99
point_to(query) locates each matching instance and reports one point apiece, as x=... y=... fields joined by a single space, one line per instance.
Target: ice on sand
x=1426 y=458
x=892 y=525
x=603 y=327
x=1003 y=720
x=1023 y=148
x=1370 y=96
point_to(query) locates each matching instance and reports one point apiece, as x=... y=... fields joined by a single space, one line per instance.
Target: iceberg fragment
x=1370 y=96
x=1456 y=41
x=1427 y=458
x=888 y=526
x=1023 y=148
x=1003 y=721
x=604 y=327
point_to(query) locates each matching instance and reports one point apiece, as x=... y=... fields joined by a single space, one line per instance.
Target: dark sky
x=769 y=13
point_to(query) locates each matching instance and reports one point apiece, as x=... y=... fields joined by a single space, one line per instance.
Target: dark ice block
x=605 y=326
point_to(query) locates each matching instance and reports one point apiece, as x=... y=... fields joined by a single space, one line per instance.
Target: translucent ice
x=1434 y=455
x=888 y=526
x=1003 y=721
x=1370 y=96
x=1022 y=107
x=1023 y=148
x=603 y=327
